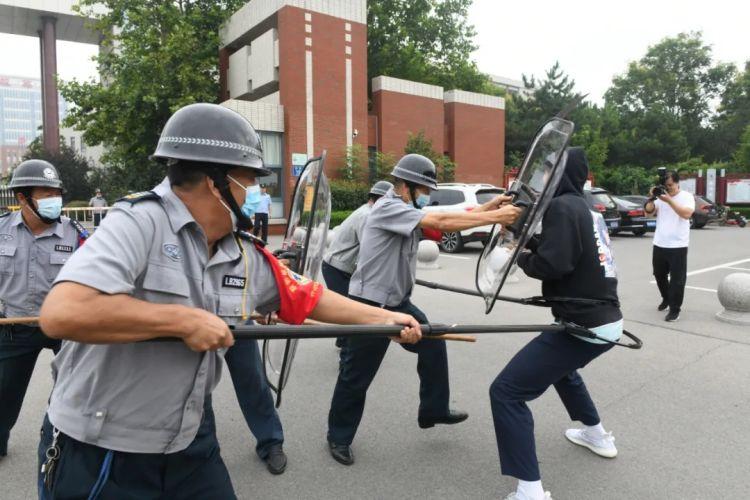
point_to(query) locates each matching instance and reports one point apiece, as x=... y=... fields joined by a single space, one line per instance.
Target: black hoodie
x=573 y=257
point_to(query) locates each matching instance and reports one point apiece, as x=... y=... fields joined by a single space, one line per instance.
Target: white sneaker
x=603 y=446
x=518 y=496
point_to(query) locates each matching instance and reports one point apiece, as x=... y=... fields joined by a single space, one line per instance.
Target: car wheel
x=699 y=225
x=452 y=242
x=692 y=223
x=639 y=232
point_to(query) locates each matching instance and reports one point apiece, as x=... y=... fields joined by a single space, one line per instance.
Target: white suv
x=454 y=196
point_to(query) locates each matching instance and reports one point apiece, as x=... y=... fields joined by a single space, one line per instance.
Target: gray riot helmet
x=217 y=138
x=380 y=188
x=209 y=133
x=35 y=173
x=416 y=169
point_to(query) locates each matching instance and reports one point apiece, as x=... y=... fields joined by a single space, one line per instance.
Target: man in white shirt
x=673 y=211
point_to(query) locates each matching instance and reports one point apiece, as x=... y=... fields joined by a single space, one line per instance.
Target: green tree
x=677 y=79
x=742 y=155
x=351 y=170
x=428 y=41
x=419 y=144
x=550 y=95
x=733 y=116
x=156 y=57
x=74 y=170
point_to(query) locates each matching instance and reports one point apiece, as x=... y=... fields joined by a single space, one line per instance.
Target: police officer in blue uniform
x=34 y=243
x=129 y=418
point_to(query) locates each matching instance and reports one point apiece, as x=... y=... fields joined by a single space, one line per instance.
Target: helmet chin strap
x=412 y=194
x=219 y=178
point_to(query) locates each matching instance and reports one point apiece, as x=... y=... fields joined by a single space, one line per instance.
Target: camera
x=661 y=185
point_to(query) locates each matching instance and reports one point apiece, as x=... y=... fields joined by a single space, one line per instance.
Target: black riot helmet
x=380 y=188
x=416 y=169
x=35 y=173
x=217 y=138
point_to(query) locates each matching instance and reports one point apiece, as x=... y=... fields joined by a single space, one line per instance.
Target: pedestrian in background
x=261 y=214
x=673 y=211
x=99 y=203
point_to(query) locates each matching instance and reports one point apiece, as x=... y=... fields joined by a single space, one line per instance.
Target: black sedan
x=633 y=217
x=601 y=201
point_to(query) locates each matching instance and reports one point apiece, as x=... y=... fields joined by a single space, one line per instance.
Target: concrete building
x=20 y=117
x=74 y=140
x=49 y=20
x=512 y=86
x=298 y=70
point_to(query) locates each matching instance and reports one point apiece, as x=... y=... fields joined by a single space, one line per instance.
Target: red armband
x=432 y=234
x=299 y=295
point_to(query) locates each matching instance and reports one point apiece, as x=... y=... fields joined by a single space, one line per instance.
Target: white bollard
x=734 y=295
x=427 y=255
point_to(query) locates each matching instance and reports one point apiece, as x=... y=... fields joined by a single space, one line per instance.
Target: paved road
x=679 y=408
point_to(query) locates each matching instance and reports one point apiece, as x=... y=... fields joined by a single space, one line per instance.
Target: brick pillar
x=50 y=112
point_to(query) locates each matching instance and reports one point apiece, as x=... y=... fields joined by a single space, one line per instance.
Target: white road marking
x=455 y=256
x=713 y=268
x=727 y=265
x=739 y=268
x=700 y=288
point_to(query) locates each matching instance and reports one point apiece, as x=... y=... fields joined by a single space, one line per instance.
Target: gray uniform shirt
x=148 y=397
x=98 y=203
x=344 y=249
x=29 y=263
x=387 y=265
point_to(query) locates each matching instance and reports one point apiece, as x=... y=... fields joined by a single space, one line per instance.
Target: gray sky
x=593 y=40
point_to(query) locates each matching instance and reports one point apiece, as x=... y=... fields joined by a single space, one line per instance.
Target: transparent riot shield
x=304 y=245
x=533 y=190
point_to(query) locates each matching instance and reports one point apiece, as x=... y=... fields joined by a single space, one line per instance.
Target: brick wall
x=476 y=142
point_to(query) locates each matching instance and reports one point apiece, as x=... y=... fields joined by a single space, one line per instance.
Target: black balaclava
x=575 y=174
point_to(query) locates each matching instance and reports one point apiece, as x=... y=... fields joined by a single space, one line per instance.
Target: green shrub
x=347 y=195
x=77 y=204
x=338 y=217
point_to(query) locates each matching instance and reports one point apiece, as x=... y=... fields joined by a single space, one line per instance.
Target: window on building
x=273 y=154
x=73 y=143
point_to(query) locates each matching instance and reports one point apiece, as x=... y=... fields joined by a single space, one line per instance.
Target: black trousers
x=254 y=395
x=338 y=281
x=261 y=225
x=552 y=358
x=98 y=219
x=19 y=348
x=670 y=272
x=198 y=471
x=360 y=359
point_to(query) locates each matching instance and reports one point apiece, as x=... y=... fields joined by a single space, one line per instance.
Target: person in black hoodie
x=573 y=258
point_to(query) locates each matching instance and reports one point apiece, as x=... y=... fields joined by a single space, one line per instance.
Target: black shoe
x=276 y=460
x=673 y=315
x=663 y=306
x=453 y=417
x=342 y=453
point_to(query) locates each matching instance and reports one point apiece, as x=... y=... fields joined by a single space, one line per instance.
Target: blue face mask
x=50 y=208
x=252 y=198
x=423 y=200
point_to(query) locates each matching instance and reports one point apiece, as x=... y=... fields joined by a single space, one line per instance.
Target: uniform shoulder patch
x=134 y=198
x=250 y=237
x=82 y=231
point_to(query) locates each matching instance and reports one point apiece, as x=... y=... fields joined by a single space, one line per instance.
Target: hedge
x=338 y=216
x=347 y=195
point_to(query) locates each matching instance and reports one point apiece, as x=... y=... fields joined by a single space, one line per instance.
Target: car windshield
x=602 y=198
x=625 y=203
x=486 y=195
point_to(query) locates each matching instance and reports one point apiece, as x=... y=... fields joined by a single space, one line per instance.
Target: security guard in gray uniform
x=130 y=418
x=340 y=260
x=385 y=274
x=34 y=244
